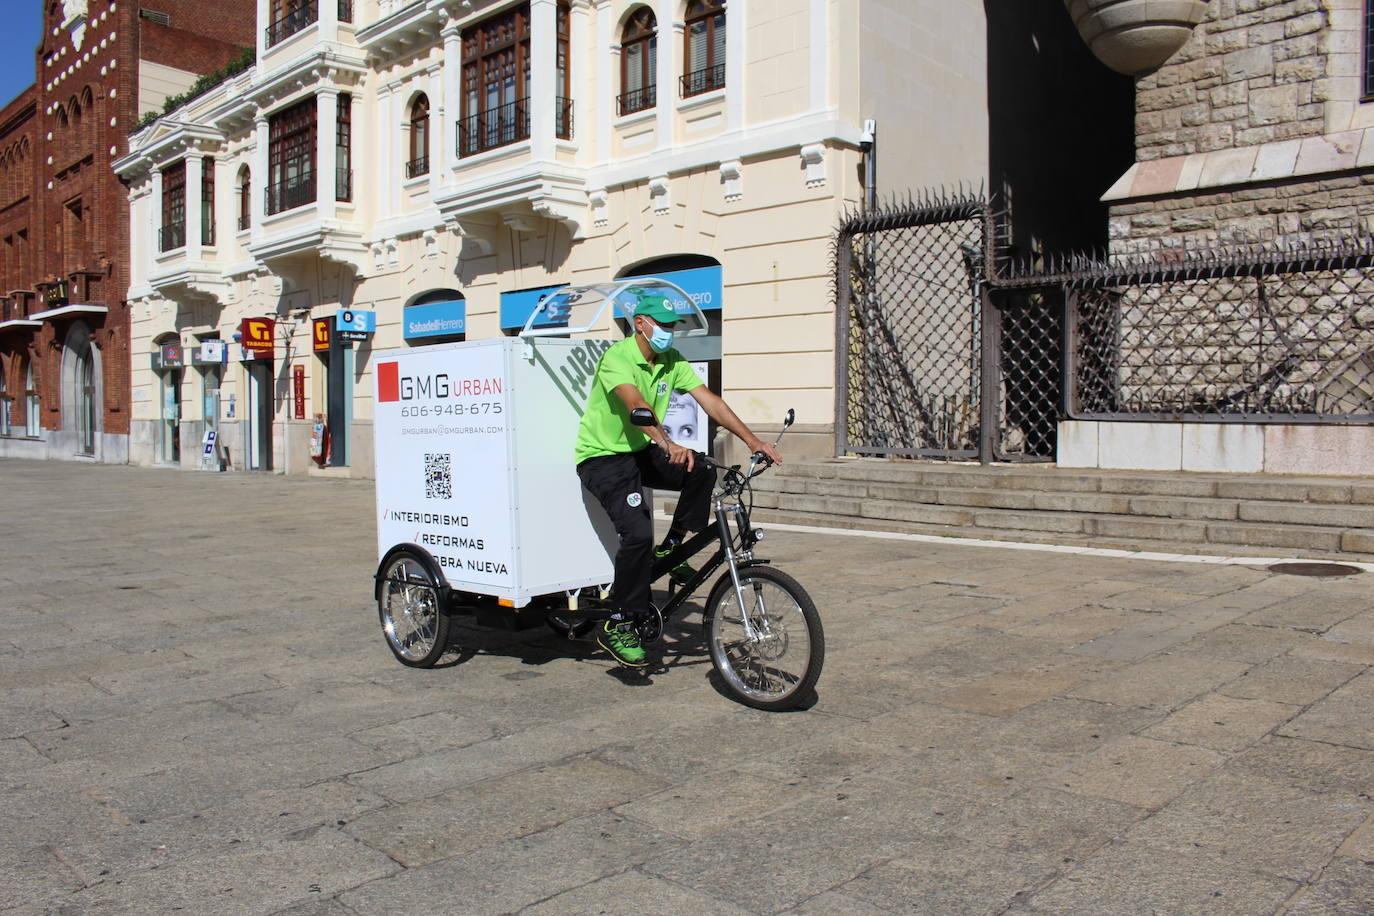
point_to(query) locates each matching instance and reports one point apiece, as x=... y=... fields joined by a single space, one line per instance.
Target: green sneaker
x=620 y=639
x=680 y=573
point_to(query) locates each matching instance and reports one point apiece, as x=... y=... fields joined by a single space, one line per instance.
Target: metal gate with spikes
x=931 y=364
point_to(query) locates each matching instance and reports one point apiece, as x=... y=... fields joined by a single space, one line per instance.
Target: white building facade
x=431 y=168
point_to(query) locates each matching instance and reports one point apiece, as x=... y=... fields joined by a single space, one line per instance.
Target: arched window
x=704 y=55
x=638 y=63
x=419 y=138
x=245 y=198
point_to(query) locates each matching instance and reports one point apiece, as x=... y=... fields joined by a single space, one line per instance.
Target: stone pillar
x=260 y=177
x=607 y=75
x=579 y=88
x=157 y=213
x=388 y=173
x=670 y=35
x=326 y=162
x=194 y=174
x=543 y=77
x=453 y=103
x=436 y=127
x=735 y=27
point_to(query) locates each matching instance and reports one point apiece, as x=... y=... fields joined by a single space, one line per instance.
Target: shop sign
x=518 y=306
x=298 y=391
x=435 y=319
x=356 y=324
x=168 y=356
x=209 y=353
x=321 y=337
x=257 y=334
x=56 y=295
x=701 y=284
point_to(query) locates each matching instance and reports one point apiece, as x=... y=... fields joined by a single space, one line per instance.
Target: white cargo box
x=475 y=448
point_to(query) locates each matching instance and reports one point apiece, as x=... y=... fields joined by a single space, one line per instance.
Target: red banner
x=298 y=390
x=258 y=335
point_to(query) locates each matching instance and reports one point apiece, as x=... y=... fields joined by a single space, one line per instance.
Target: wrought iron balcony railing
x=636 y=100
x=291 y=193
x=499 y=126
x=171 y=236
x=703 y=80
x=417 y=167
x=563 y=118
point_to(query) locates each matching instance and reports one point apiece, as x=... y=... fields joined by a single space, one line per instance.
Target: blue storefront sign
x=355 y=324
x=435 y=319
x=701 y=284
x=516 y=307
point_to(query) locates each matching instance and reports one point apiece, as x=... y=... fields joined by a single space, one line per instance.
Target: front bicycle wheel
x=414 y=623
x=775 y=667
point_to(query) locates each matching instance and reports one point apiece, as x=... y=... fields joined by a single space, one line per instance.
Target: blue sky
x=18 y=37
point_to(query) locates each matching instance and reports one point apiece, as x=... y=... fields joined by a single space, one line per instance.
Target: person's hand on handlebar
x=767 y=449
x=678 y=454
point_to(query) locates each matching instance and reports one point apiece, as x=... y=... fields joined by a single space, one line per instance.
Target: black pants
x=616 y=481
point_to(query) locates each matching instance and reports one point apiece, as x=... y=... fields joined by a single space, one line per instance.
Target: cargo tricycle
x=480 y=512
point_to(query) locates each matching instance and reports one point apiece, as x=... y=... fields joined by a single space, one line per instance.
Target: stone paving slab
x=201 y=716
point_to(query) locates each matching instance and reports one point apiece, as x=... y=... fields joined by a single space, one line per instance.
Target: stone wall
x=1254 y=72
x=1292 y=211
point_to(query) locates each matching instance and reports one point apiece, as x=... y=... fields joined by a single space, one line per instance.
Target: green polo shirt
x=606 y=428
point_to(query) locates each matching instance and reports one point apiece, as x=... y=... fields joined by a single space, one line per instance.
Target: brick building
x=64 y=238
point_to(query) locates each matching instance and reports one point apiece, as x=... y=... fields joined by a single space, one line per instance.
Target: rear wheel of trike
x=777 y=666
x=413 y=617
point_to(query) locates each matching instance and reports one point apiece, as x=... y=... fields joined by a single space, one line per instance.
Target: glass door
x=85 y=402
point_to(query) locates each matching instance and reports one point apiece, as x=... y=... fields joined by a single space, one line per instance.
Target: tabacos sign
x=321 y=335
x=258 y=335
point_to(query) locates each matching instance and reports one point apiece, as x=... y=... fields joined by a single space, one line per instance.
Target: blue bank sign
x=701 y=284
x=517 y=307
x=435 y=319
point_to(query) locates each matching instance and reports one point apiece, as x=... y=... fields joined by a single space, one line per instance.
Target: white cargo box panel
x=474 y=450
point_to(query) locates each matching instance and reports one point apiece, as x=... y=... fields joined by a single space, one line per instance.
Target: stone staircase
x=1173 y=512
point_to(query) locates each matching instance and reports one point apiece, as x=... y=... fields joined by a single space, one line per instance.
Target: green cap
x=656 y=307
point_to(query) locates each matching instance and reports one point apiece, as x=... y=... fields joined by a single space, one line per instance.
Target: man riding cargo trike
x=510 y=487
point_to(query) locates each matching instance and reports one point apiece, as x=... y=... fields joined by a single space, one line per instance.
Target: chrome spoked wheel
x=775 y=661
x=413 y=621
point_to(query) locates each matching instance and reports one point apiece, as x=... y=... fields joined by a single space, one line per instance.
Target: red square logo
x=388 y=382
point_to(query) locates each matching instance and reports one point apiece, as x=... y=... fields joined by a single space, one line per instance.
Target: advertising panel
x=209 y=353
x=443 y=468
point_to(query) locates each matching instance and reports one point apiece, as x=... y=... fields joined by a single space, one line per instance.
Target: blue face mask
x=661 y=339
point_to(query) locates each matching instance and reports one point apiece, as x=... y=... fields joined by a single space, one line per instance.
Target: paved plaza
x=211 y=723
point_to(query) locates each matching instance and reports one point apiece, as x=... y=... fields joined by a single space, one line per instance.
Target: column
x=138 y=272
x=607 y=85
x=580 y=88
x=388 y=175
x=329 y=20
x=263 y=21
x=735 y=28
x=194 y=174
x=260 y=178
x=157 y=212
x=447 y=116
x=436 y=127
x=670 y=34
x=326 y=162
x=543 y=77
x=819 y=54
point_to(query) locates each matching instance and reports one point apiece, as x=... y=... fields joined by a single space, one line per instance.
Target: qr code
x=438 y=476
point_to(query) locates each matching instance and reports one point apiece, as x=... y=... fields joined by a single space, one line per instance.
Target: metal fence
x=1245 y=338
x=947 y=351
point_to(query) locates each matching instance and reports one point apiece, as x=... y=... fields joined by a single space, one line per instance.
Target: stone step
x=843 y=473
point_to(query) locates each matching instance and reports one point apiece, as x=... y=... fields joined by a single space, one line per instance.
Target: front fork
x=746 y=540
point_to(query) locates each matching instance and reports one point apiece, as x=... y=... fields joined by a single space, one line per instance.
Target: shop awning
x=77 y=309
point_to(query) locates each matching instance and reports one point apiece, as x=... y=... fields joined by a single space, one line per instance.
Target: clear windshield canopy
x=583 y=309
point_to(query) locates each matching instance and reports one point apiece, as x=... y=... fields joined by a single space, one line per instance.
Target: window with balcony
x=291 y=157
x=638 y=63
x=418 y=164
x=290 y=17
x=343 y=149
x=207 y=200
x=496 y=79
x=704 y=55
x=172 y=235
x=245 y=198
